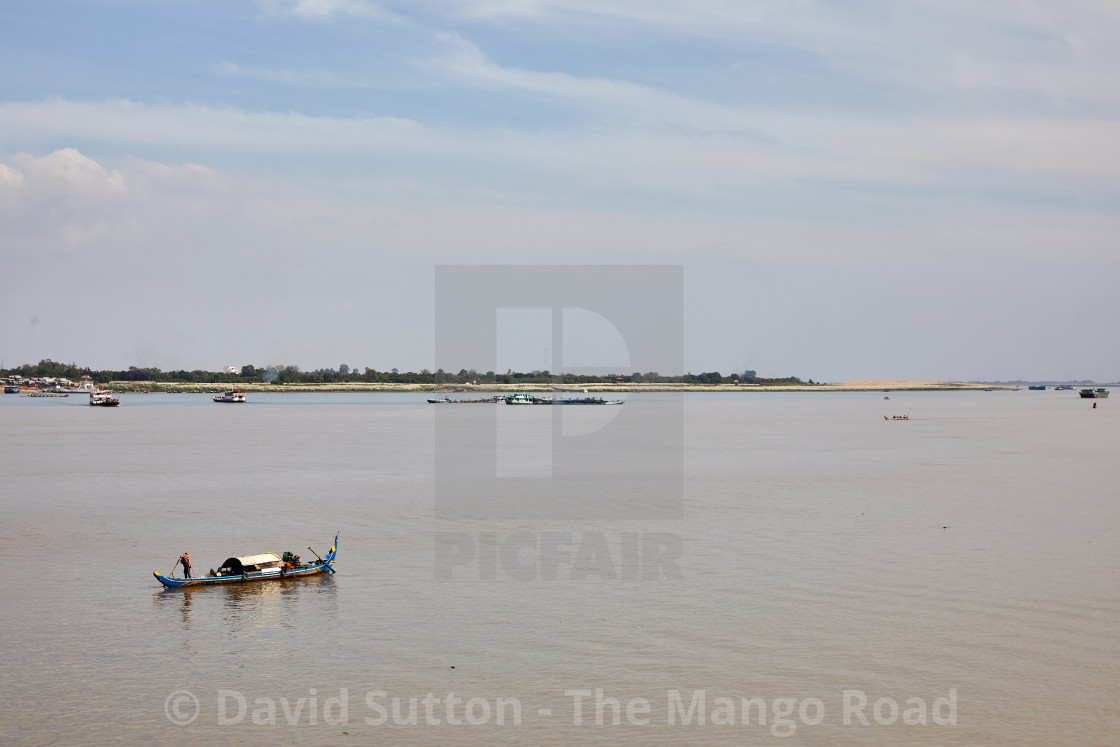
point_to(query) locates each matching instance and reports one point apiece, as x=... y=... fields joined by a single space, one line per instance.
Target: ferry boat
x=102 y=398
x=230 y=397
x=262 y=567
x=1099 y=393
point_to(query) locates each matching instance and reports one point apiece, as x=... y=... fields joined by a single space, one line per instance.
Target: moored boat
x=484 y=401
x=1039 y=388
x=103 y=398
x=262 y=567
x=1099 y=393
x=230 y=397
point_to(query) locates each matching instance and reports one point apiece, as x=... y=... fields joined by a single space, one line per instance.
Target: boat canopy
x=250 y=563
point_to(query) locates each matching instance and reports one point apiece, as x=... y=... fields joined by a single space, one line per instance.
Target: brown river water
x=827 y=577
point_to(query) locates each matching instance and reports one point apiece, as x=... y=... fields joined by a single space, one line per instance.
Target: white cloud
x=315 y=79
x=725 y=152
x=1063 y=53
x=64 y=193
x=467 y=63
x=196 y=125
x=326 y=9
x=9 y=177
x=915 y=150
x=70 y=172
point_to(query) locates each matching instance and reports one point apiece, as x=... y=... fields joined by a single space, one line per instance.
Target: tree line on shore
x=289 y=374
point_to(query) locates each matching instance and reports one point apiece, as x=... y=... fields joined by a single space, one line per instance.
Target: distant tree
x=289 y=375
x=249 y=372
x=344 y=369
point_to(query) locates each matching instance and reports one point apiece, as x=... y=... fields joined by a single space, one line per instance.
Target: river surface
x=951 y=579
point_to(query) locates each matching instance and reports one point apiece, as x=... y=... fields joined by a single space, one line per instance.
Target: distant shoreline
x=854 y=386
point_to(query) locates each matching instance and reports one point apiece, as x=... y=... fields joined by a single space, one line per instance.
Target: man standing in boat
x=185 y=559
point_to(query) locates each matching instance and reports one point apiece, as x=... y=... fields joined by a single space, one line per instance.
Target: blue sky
x=921 y=190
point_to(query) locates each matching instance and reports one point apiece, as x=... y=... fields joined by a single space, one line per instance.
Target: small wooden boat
x=264 y=567
x=230 y=397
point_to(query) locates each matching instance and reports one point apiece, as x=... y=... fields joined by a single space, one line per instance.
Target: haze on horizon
x=918 y=191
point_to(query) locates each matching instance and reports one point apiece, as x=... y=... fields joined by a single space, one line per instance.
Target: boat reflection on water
x=243 y=606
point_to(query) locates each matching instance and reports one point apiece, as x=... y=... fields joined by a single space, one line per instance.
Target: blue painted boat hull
x=313 y=569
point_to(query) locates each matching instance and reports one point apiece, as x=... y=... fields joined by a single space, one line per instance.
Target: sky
x=857 y=190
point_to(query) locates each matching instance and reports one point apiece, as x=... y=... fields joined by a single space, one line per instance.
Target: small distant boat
x=47 y=394
x=444 y=401
x=102 y=398
x=263 y=567
x=1039 y=388
x=587 y=401
x=230 y=397
x=11 y=389
x=896 y=417
x=1063 y=388
x=528 y=399
x=1099 y=393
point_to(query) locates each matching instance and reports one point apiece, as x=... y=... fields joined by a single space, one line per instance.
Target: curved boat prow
x=328 y=559
x=171 y=583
